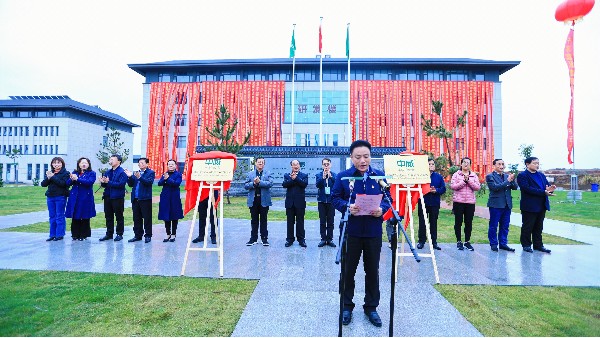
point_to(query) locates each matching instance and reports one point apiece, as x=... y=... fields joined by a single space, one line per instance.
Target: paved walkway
x=298 y=287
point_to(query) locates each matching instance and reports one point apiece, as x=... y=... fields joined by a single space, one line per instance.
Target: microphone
x=351 y=185
x=383 y=184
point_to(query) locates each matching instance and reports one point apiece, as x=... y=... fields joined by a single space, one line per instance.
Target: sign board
x=407 y=169
x=213 y=170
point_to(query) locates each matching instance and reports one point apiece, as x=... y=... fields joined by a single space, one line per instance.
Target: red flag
x=320 y=39
x=570 y=59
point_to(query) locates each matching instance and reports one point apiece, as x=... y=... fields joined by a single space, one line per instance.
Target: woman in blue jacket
x=56 y=197
x=81 y=207
x=169 y=207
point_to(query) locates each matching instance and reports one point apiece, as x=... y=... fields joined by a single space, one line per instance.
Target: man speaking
x=364 y=231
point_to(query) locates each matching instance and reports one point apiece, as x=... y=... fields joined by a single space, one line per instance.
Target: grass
x=586 y=211
x=523 y=311
x=51 y=303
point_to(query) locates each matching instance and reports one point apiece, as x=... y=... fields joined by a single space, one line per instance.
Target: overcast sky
x=82 y=48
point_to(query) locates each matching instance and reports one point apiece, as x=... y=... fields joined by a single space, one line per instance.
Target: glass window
x=164 y=77
x=335 y=140
x=51 y=131
x=316 y=140
x=10 y=131
x=181 y=121
x=182 y=77
x=45 y=167
x=26 y=131
x=34 y=131
x=181 y=142
x=46 y=131
x=35 y=149
x=29 y=171
x=59 y=113
x=307 y=140
x=37 y=171
x=180 y=166
x=56 y=148
x=56 y=130
x=45 y=150
x=26 y=149
x=41 y=114
x=20 y=148
x=298 y=140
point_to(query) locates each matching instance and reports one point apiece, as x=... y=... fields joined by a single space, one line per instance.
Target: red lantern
x=572 y=10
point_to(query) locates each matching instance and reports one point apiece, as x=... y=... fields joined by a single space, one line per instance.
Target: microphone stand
x=341 y=256
x=393 y=237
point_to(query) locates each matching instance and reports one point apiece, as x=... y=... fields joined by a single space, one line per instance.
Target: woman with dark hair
x=464 y=183
x=81 y=206
x=56 y=197
x=169 y=207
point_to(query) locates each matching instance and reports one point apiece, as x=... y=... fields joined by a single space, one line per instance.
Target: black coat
x=57 y=184
x=295 y=195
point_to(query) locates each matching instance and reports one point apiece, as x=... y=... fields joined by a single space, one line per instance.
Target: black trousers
x=114 y=209
x=258 y=216
x=171 y=227
x=80 y=228
x=531 y=231
x=467 y=211
x=202 y=206
x=142 y=218
x=370 y=248
x=326 y=216
x=295 y=215
x=432 y=213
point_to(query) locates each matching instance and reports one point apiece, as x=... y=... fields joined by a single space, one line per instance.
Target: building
x=43 y=127
x=383 y=103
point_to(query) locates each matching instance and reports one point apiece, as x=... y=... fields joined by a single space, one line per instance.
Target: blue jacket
x=115 y=188
x=321 y=184
x=169 y=207
x=265 y=188
x=295 y=195
x=432 y=199
x=359 y=226
x=500 y=196
x=144 y=188
x=81 y=203
x=533 y=197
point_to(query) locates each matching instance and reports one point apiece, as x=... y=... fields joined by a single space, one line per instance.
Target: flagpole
x=349 y=132
x=293 y=50
x=321 y=139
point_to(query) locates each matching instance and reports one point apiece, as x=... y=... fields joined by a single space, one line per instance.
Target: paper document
x=367 y=203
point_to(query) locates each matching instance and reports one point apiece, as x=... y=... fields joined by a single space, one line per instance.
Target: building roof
x=61 y=102
x=500 y=66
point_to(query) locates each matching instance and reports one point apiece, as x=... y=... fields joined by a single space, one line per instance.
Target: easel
x=408 y=189
x=219 y=228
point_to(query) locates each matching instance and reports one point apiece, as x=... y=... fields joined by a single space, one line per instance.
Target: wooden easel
x=408 y=211
x=218 y=227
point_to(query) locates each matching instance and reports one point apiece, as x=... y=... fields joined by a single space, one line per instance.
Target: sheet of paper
x=367 y=203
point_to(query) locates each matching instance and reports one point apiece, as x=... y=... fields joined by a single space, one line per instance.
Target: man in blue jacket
x=295 y=203
x=500 y=205
x=432 y=207
x=141 y=200
x=113 y=181
x=535 y=190
x=364 y=231
x=324 y=183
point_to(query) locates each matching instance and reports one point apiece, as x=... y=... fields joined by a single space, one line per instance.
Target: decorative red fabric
x=192 y=187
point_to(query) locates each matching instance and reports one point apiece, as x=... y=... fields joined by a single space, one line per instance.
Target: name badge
x=327 y=190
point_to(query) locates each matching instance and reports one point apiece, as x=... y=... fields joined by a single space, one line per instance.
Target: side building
x=382 y=101
x=43 y=127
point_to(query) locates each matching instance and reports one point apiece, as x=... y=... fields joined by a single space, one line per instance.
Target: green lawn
x=524 y=311
x=51 y=303
x=586 y=211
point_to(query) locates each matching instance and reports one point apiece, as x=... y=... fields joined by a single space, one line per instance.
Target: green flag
x=348 y=41
x=293 y=45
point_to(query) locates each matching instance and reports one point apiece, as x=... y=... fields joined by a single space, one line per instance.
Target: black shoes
x=165 y=240
x=302 y=243
x=147 y=239
x=322 y=244
x=331 y=244
x=437 y=247
x=420 y=245
x=542 y=249
x=469 y=247
x=494 y=248
x=50 y=239
x=201 y=239
x=374 y=318
x=251 y=242
x=507 y=248
x=288 y=244
x=213 y=240
x=346 y=317
x=172 y=239
x=527 y=249
x=135 y=239
x=265 y=242
x=459 y=246
x=118 y=238
x=105 y=238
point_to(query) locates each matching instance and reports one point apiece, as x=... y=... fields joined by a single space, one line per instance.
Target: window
x=46 y=131
x=20 y=148
x=41 y=114
x=45 y=150
x=26 y=149
x=298 y=140
x=26 y=131
x=335 y=140
x=51 y=131
x=164 y=77
x=181 y=166
x=10 y=131
x=181 y=141
x=56 y=130
x=307 y=140
x=56 y=148
x=21 y=131
x=35 y=149
x=34 y=131
x=59 y=114
x=45 y=168
x=29 y=171
x=24 y=114
x=51 y=149
x=37 y=171
x=181 y=121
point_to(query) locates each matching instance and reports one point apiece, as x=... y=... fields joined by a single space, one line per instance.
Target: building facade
x=385 y=102
x=43 y=127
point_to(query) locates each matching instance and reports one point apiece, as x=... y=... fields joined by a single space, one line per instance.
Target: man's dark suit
x=500 y=205
x=295 y=205
x=534 y=203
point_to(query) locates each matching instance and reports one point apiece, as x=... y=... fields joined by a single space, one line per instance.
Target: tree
x=223 y=135
x=13 y=155
x=440 y=131
x=112 y=145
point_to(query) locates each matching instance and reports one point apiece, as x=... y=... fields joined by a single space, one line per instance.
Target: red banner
x=570 y=59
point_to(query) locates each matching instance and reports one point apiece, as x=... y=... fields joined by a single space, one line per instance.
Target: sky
x=81 y=49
